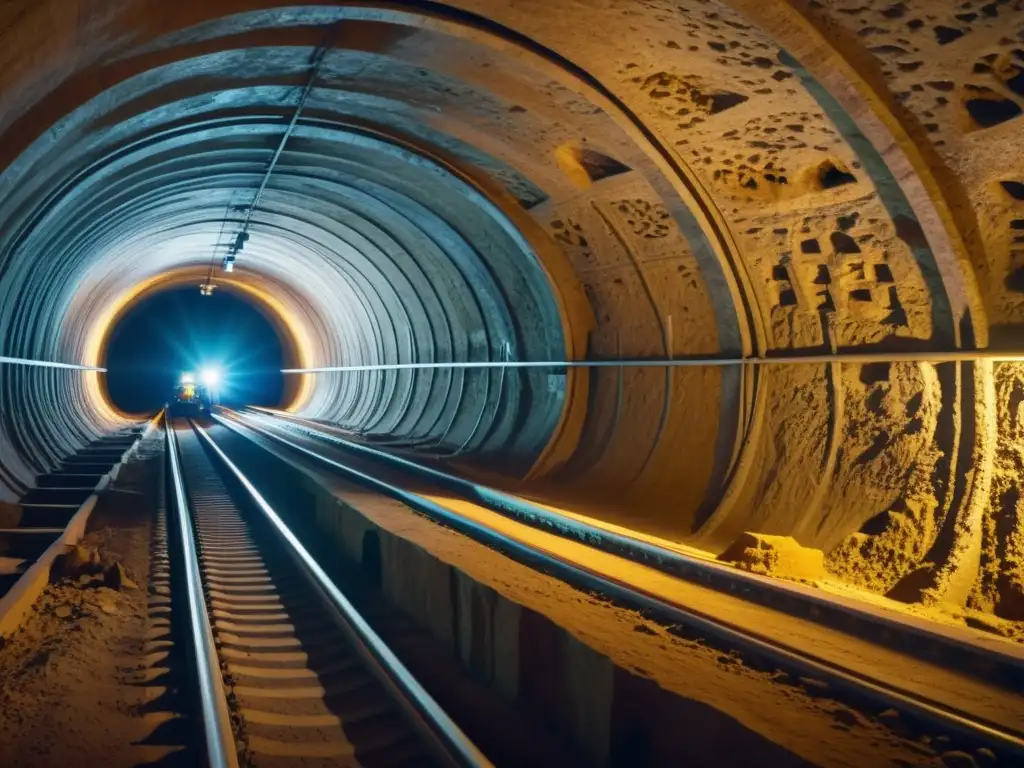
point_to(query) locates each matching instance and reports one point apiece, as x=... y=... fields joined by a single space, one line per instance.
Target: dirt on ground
x=84 y=681
x=778 y=556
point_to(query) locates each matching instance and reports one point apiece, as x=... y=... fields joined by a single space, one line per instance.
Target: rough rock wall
x=831 y=258
x=714 y=178
x=956 y=71
x=953 y=72
x=886 y=466
x=1000 y=585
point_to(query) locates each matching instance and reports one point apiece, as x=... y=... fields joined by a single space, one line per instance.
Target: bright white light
x=188 y=378
x=210 y=377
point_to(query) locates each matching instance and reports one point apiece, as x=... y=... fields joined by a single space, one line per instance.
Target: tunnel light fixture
x=229 y=263
x=206 y=289
x=240 y=240
x=210 y=377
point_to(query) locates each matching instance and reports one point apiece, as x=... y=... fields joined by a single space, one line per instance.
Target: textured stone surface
x=647 y=179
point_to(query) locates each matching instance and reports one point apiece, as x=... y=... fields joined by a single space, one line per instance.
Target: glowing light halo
x=96 y=344
x=292 y=325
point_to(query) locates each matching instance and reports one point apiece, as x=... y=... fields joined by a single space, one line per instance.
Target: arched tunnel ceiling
x=543 y=181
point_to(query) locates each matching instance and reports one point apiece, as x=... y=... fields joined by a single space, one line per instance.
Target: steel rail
x=450 y=744
x=879 y=693
x=218 y=734
x=48 y=364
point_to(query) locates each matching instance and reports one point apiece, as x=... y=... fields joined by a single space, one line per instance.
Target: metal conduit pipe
x=857 y=358
x=48 y=364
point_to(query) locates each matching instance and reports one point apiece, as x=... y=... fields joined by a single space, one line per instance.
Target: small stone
x=62 y=612
x=116 y=577
x=847 y=716
x=957 y=759
x=989 y=623
x=892 y=720
x=109 y=608
x=77 y=561
x=90 y=580
x=985 y=756
x=813 y=686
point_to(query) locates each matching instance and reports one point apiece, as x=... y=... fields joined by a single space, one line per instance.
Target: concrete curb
x=17 y=603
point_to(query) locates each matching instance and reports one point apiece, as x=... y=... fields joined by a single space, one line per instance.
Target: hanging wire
x=314 y=72
x=208 y=286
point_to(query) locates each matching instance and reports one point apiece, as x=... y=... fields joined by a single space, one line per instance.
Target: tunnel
x=834 y=186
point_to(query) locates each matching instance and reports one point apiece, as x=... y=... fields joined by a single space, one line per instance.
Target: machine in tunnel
x=425 y=186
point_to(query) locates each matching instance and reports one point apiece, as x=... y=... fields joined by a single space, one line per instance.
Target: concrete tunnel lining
x=372 y=302
x=423 y=189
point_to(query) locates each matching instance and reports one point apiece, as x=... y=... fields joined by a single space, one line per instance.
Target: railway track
x=989 y=658
x=288 y=673
x=1002 y=733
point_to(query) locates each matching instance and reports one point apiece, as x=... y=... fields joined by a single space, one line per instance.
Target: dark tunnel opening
x=181 y=330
